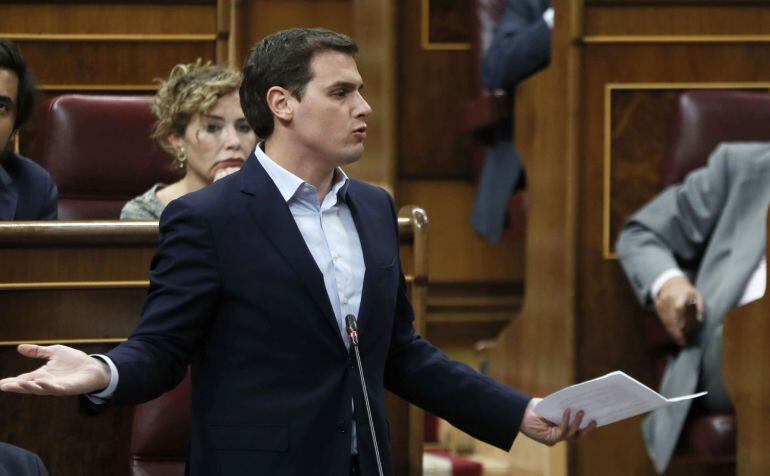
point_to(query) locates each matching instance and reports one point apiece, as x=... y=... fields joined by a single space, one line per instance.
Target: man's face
x=330 y=118
x=9 y=91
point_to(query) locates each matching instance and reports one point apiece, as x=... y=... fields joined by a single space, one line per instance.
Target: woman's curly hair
x=191 y=89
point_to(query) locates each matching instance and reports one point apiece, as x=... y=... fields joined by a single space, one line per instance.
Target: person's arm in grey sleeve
x=674 y=226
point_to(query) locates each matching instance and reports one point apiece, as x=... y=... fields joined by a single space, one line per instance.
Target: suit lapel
x=8 y=196
x=746 y=248
x=360 y=217
x=368 y=223
x=272 y=214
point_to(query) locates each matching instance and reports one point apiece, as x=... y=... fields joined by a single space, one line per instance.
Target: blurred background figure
x=713 y=223
x=520 y=47
x=27 y=191
x=15 y=461
x=201 y=124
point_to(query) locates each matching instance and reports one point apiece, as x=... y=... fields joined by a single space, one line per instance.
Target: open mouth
x=360 y=132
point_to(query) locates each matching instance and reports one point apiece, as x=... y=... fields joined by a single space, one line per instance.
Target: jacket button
x=342 y=428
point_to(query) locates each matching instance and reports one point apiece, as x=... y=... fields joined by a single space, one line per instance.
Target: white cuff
x=548 y=17
x=662 y=279
x=107 y=393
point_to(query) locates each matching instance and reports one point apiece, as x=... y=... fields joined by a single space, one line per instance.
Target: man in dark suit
x=520 y=47
x=27 y=192
x=15 y=461
x=251 y=284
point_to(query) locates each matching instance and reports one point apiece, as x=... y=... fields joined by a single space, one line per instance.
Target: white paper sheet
x=607 y=399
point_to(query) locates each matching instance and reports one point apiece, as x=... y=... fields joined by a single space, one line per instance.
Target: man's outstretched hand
x=67 y=372
x=547 y=433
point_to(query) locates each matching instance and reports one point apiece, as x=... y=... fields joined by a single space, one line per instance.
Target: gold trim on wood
x=668 y=39
x=95 y=232
x=607 y=253
x=59 y=285
x=425 y=33
x=607 y=142
x=14 y=343
x=111 y=37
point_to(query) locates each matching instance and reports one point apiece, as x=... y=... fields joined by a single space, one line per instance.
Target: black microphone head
x=350 y=323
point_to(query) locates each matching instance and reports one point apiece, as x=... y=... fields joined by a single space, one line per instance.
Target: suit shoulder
x=211 y=198
x=369 y=191
x=24 y=169
x=377 y=197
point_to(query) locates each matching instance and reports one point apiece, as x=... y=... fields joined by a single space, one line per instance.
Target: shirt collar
x=288 y=183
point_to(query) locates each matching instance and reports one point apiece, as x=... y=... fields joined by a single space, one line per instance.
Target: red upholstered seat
x=703 y=120
x=706 y=118
x=160 y=433
x=99 y=152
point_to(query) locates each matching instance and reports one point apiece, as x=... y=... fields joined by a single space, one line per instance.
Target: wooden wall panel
x=677 y=20
x=107 y=63
x=456 y=253
x=264 y=17
x=79 y=19
x=640 y=122
x=434 y=85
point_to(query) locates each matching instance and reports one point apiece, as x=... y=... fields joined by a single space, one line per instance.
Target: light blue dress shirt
x=329 y=233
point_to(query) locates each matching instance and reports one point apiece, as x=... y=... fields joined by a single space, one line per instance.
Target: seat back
x=160 y=432
x=99 y=152
x=708 y=117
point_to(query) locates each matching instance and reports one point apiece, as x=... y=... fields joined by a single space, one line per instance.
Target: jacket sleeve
x=675 y=226
x=521 y=46
x=181 y=303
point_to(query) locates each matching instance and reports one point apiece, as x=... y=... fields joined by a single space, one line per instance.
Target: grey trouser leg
x=717 y=400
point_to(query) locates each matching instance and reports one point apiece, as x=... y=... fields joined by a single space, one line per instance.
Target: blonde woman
x=201 y=124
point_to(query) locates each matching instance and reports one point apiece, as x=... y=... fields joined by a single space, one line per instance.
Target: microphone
x=352 y=328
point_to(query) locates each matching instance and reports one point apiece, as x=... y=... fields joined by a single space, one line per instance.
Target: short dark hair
x=11 y=59
x=283 y=59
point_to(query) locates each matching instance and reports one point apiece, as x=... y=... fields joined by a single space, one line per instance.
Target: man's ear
x=280 y=102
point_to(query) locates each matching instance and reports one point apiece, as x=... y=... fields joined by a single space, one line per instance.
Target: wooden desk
x=83 y=284
x=746 y=369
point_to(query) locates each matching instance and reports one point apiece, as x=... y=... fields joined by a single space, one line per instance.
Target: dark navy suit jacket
x=235 y=291
x=27 y=191
x=520 y=47
x=15 y=461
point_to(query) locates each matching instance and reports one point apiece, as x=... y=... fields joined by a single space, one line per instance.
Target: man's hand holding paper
x=607 y=399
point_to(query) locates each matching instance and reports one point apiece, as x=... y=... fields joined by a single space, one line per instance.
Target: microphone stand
x=352 y=327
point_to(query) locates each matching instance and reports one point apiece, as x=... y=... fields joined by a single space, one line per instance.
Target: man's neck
x=302 y=163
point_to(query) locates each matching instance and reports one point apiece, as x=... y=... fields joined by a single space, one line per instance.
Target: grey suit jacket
x=715 y=218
